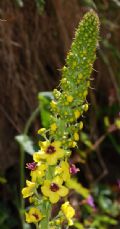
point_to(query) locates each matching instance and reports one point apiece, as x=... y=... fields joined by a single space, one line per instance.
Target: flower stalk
x=51 y=170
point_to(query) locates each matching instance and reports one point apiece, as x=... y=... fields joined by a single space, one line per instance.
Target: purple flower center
x=51 y=149
x=73 y=170
x=36 y=216
x=31 y=166
x=54 y=187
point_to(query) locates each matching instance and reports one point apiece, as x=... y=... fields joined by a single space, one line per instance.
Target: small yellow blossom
x=68 y=211
x=69 y=98
x=63 y=170
x=72 y=144
x=53 y=104
x=71 y=119
x=50 y=151
x=31 y=199
x=39 y=172
x=81 y=125
x=41 y=131
x=54 y=189
x=85 y=93
x=106 y=121
x=85 y=107
x=117 y=123
x=63 y=80
x=58 y=222
x=33 y=216
x=76 y=136
x=77 y=114
x=53 y=127
x=88 y=84
x=29 y=190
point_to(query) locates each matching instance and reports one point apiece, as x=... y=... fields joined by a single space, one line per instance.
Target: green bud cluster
x=70 y=100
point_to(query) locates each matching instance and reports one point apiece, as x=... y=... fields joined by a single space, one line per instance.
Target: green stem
x=22 y=159
x=37 y=226
x=46 y=211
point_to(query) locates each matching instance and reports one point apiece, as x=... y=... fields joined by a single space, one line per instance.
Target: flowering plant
x=51 y=170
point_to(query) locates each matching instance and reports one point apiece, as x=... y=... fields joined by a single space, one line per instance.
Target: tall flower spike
x=50 y=171
x=70 y=101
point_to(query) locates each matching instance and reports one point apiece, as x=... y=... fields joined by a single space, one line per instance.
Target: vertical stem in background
x=22 y=159
x=22 y=202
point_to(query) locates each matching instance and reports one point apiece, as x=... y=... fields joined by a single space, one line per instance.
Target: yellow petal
x=58 y=180
x=52 y=159
x=54 y=197
x=44 y=145
x=61 y=153
x=63 y=191
x=46 y=188
x=56 y=144
x=30 y=184
x=26 y=192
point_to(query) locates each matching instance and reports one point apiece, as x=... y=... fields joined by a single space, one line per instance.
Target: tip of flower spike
x=93 y=15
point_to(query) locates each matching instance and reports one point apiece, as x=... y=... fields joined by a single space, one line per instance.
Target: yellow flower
x=63 y=170
x=42 y=131
x=53 y=127
x=53 y=104
x=51 y=152
x=69 y=98
x=76 y=136
x=81 y=125
x=85 y=93
x=72 y=144
x=68 y=211
x=77 y=114
x=39 y=172
x=29 y=190
x=54 y=189
x=85 y=107
x=33 y=216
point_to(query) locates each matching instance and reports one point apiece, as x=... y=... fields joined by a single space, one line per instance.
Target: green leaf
x=105 y=203
x=73 y=184
x=44 y=100
x=78 y=225
x=47 y=94
x=85 y=139
x=26 y=143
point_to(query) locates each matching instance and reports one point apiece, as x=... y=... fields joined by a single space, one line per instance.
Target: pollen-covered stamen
x=73 y=170
x=51 y=149
x=31 y=166
x=54 y=187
